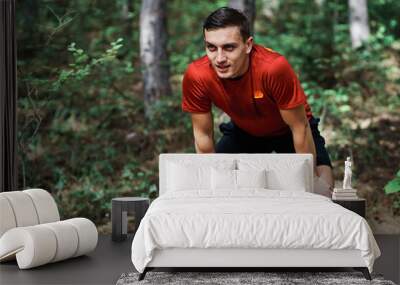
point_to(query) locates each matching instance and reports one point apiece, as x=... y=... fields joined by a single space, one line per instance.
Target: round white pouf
x=32 y=233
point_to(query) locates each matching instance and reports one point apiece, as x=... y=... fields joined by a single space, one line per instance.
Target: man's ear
x=249 y=45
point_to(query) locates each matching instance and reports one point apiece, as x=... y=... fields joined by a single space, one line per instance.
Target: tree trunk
x=269 y=8
x=359 y=28
x=248 y=7
x=330 y=20
x=127 y=19
x=153 y=52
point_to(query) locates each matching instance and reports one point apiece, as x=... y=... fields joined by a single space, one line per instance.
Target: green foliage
x=83 y=65
x=142 y=180
x=81 y=127
x=186 y=34
x=393 y=186
x=345 y=87
x=333 y=74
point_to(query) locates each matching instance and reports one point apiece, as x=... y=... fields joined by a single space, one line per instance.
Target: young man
x=260 y=92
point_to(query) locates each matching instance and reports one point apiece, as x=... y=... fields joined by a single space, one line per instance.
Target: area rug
x=243 y=278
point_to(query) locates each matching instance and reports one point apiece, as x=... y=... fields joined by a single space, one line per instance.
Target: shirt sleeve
x=194 y=94
x=284 y=85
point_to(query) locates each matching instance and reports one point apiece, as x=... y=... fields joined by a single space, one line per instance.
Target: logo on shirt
x=258 y=94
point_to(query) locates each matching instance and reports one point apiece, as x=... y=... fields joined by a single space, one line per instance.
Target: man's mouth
x=222 y=67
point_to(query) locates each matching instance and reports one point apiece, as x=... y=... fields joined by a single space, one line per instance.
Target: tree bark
x=248 y=7
x=359 y=28
x=125 y=13
x=269 y=8
x=153 y=52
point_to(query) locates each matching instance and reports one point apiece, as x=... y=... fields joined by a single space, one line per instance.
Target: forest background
x=99 y=92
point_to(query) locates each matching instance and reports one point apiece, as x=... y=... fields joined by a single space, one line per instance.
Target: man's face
x=228 y=54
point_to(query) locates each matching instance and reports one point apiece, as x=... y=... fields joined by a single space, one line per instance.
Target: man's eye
x=211 y=48
x=229 y=48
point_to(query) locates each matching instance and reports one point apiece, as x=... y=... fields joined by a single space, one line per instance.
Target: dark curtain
x=8 y=97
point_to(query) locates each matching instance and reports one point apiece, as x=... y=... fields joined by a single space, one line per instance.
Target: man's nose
x=221 y=56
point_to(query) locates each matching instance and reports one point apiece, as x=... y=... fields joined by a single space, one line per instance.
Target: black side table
x=120 y=208
x=356 y=205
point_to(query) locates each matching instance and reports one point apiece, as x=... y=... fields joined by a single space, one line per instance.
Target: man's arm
x=203 y=131
x=297 y=120
x=304 y=143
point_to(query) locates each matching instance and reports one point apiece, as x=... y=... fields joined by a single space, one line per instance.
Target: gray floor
x=110 y=260
x=103 y=266
x=389 y=262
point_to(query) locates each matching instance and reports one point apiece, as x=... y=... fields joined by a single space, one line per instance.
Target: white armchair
x=32 y=233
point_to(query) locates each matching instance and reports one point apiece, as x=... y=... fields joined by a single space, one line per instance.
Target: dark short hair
x=228 y=17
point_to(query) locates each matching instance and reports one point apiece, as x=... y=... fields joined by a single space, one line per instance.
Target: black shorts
x=235 y=140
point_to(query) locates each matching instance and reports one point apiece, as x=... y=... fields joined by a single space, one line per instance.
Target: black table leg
x=143 y=274
x=116 y=221
x=364 y=271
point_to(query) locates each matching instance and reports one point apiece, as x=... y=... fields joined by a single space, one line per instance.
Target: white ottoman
x=31 y=230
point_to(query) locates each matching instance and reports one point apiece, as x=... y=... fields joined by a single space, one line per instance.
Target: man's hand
x=322 y=187
x=303 y=141
x=325 y=173
x=203 y=131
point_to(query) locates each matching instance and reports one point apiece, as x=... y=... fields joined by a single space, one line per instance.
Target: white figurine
x=347 y=174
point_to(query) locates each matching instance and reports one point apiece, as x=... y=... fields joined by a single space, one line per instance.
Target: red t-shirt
x=253 y=100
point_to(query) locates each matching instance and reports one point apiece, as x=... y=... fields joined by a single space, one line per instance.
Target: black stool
x=120 y=208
